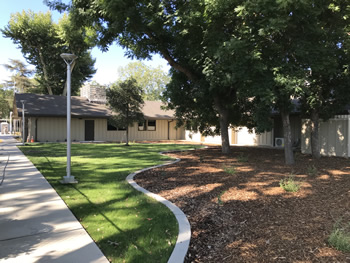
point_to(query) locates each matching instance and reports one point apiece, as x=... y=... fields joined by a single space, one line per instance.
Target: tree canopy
x=152 y=80
x=232 y=61
x=42 y=41
x=20 y=80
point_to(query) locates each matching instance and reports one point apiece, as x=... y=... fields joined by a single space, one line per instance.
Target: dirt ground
x=239 y=213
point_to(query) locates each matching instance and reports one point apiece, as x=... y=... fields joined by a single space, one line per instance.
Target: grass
x=229 y=169
x=289 y=184
x=125 y=224
x=340 y=237
x=242 y=158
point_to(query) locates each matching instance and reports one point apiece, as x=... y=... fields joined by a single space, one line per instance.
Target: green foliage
x=42 y=41
x=312 y=170
x=242 y=158
x=340 y=237
x=206 y=44
x=126 y=225
x=151 y=80
x=220 y=202
x=20 y=81
x=230 y=169
x=289 y=184
x=6 y=101
x=232 y=61
x=125 y=100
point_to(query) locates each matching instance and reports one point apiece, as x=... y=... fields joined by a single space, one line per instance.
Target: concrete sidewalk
x=35 y=224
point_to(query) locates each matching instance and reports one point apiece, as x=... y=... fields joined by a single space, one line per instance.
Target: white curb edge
x=184 y=236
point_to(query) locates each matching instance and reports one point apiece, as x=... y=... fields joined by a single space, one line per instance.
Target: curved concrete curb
x=183 y=239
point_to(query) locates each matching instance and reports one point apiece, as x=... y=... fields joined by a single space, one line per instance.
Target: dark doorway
x=89 y=130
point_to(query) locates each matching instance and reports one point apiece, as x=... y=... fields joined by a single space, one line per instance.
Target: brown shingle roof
x=153 y=110
x=56 y=106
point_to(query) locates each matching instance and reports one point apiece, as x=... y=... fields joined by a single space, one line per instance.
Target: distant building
x=94 y=93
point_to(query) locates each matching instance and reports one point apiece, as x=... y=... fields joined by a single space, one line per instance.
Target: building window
x=111 y=127
x=143 y=126
x=147 y=125
x=151 y=126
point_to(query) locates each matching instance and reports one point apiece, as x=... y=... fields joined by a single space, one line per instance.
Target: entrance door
x=89 y=130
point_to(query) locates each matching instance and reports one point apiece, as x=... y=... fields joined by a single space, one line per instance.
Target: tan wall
x=176 y=133
x=54 y=129
x=193 y=136
x=242 y=136
x=334 y=137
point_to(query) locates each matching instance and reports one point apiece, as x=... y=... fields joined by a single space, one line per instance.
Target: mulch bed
x=239 y=213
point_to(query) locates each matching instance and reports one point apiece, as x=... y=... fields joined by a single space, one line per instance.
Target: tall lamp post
x=11 y=122
x=69 y=59
x=23 y=122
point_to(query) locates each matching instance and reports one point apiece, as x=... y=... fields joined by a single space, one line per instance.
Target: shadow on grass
x=124 y=223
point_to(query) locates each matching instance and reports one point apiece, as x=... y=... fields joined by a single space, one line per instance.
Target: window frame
x=144 y=126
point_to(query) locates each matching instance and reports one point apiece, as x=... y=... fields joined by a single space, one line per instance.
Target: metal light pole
x=69 y=59
x=11 y=122
x=23 y=122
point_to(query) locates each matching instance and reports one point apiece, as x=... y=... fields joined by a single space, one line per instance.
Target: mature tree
x=42 y=41
x=201 y=40
x=152 y=80
x=326 y=91
x=6 y=99
x=299 y=40
x=125 y=100
x=20 y=80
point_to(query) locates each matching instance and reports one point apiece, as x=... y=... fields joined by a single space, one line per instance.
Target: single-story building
x=243 y=137
x=45 y=117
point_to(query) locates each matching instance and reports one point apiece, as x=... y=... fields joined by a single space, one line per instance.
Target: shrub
x=242 y=158
x=312 y=170
x=229 y=169
x=289 y=184
x=220 y=202
x=340 y=237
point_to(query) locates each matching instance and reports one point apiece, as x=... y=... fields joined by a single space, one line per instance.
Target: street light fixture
x=69 y=59
x=23 y=122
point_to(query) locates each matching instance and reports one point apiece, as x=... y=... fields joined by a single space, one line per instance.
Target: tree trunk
x=64 y=93
x=315 y=145
x=49 y=89
x=288 y=147
x=223 y=118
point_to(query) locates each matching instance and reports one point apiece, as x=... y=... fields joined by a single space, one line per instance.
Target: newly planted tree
x=125 y=100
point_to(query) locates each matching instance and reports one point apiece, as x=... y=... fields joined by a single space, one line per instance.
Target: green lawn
x=125 y=224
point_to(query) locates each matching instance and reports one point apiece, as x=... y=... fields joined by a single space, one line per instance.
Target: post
x=23 y=122
x=11 y=122
x=68 y=120
x=69 y=59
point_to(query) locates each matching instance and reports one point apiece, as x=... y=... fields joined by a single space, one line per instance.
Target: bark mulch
x=239 y=213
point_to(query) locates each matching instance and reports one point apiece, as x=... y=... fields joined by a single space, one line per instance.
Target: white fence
x=334 y=136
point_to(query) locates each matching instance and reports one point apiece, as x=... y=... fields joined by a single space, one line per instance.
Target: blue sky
x=106 y=64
